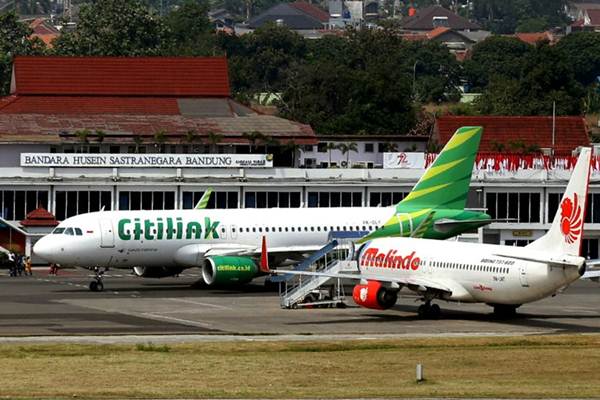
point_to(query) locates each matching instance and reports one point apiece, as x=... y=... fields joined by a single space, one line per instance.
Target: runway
x=56 y=306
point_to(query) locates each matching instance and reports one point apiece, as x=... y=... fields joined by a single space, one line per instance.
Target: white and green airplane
x=226 y=244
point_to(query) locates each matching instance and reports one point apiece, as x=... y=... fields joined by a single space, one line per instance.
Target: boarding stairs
x=306 y=291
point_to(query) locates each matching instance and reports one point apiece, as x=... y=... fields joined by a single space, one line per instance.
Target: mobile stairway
x=307 y=291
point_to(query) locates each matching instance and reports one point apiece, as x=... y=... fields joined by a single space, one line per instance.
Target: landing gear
x=96 y=285
x=505 y=310
x=429 y=311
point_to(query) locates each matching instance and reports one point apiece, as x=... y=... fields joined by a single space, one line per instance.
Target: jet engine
x=156 y=272
x=374 y=295
x=228 y=270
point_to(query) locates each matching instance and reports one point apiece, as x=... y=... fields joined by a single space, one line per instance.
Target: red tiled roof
x=432 y=34
x=39 y=217
x=534 y=37
x=120 y=76
x=73 y=105
x=413 y=37
x=51 y=128
x=311 y=10
x=531 y=130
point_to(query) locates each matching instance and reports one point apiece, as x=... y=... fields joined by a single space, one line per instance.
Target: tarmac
x=44 y=308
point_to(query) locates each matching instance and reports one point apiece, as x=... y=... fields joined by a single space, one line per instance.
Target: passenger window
x=286 y=228
x=253 y=229
x=69 y=231
x=267 y=229
x=293 y=229
x=279 y=229
x=260 y=229
x=364 y=228
x=312 y=228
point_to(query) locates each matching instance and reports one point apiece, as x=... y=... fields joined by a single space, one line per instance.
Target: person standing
x=28 y=270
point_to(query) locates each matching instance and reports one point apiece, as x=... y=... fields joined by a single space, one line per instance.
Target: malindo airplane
x=227 y=243
x=503 y=277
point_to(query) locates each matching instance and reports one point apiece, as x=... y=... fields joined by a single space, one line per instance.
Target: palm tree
x=160 y=137
x=331 y=146
x=213 y=139
x=138 y=140
x=191 y=136
x=346 y=148
x=254 y=137
x=83 y=135
x=100 y=135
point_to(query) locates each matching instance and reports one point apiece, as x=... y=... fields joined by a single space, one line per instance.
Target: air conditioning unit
x=547 y=151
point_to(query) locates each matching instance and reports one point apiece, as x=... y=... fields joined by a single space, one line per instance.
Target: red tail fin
x=264 y=257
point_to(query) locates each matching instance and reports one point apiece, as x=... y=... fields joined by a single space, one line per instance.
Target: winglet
x=203 y=202
x=264 y=257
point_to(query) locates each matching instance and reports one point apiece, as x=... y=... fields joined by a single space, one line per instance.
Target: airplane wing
x=419 y=284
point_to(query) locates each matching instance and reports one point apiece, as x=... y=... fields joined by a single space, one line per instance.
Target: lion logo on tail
x=570 y=219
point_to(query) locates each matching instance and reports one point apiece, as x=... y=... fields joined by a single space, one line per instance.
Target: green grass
x=524 y=367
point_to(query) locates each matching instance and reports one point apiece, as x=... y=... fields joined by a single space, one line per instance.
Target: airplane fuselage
x=470 y=272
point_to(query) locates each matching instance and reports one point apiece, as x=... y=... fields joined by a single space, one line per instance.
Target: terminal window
x=272 y=199
x=146 y=200
x=216 y=200
x=16 y=204
x=68 y=203
x=384 y=199
x=334 y=199
x=514 y=207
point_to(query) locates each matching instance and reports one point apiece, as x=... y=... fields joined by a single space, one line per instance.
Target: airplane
x=225 y=244
x=504 y=277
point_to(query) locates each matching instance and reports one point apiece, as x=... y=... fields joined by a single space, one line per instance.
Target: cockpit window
x=58 y=231
x=78 y=232
x=69 y=231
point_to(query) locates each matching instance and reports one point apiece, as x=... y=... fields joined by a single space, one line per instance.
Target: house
x=589 y=20
x=44 y=30
x=429 y=18
x=517 y=133
x=534 y=37
x=222 y=20
x=298 y=16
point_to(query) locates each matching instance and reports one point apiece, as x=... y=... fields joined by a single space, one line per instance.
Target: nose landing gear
x=96 y=285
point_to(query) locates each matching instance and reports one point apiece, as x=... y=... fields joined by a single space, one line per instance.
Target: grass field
x=540 y=367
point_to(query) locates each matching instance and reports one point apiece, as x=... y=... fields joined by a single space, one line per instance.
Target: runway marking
x=200 y=303
x=180 y=320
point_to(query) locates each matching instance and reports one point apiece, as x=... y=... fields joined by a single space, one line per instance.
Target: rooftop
x=570 y=132
x=298 y=15
x=423 y=20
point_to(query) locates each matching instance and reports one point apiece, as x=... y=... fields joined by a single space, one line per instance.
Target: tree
x=496 y=56
x=582 y=49
x=546 y=79
x=504 y=16
x=15 y=40
x=346 y=148
x=366 y=91
x=190 y=30
x=115 y=28
x=259 y=61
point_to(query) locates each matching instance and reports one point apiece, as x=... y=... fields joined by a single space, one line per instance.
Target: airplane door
x=233 y=231
x=107 y=238
x=523 y=277
x=401 y=219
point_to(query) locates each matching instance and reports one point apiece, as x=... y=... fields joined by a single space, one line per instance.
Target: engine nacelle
x=227 y=270
x=156 y=272
x=374 y=295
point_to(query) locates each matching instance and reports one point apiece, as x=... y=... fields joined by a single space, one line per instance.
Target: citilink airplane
x=504 y=277
x=226 y=244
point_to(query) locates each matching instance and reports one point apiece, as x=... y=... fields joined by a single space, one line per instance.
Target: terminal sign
x=147 y=160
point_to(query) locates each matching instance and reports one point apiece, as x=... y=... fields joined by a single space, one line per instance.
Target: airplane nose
x=44 y=249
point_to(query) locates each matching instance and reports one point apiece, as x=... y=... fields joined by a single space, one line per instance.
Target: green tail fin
x=203 y=202
x=445 y=184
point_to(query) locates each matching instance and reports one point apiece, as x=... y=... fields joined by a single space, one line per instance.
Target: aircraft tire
x=93 y=286
x=99 y=287
x=505 y=311
x=434 y=311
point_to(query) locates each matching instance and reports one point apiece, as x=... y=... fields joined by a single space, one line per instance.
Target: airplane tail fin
x=445 y=184
x=565 y=234
x=264 y=257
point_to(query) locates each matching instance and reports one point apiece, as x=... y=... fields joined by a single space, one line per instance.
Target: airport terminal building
x=84 y=134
